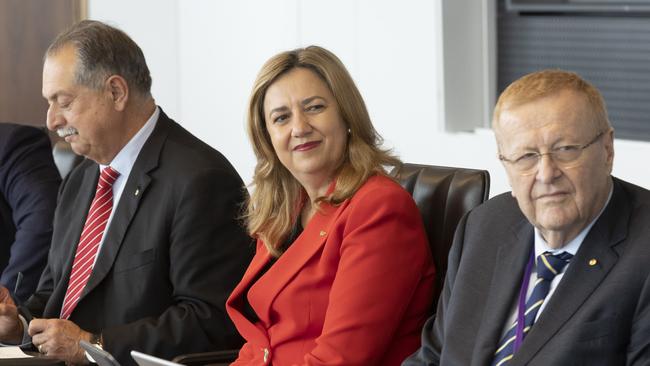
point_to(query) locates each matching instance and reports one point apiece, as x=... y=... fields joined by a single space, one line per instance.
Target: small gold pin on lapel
x=593 y=262
x=137 y=191
x=322 y=233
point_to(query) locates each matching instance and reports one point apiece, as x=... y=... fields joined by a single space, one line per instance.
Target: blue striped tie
x=548 y=266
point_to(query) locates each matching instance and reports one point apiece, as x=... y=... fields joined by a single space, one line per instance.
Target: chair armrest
x=216 y=358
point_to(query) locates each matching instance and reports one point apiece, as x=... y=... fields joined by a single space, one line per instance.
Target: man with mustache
x=146 y=244
x=556 y=272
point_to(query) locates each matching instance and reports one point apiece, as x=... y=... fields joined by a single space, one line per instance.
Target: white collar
x=125 y=158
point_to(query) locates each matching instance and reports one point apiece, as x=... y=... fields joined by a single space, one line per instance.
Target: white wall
x=204 y=56
x=156 y=32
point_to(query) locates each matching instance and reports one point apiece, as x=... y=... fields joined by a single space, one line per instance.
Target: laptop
x=143 y=359
x=101 y=357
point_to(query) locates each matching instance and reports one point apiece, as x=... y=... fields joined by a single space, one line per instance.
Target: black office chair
x=217 y=358
x=442 y=194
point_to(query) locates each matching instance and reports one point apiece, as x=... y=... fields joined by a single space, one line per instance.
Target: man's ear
x=119 y=91
x=609 y=148
x=508 y=175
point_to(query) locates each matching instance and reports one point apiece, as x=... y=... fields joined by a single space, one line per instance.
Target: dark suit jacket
x=598 y=315
x=29 y=181
x=172 y=254
x=353 y=289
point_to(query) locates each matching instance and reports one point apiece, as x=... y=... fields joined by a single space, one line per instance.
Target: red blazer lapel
x=267 y=287
x=235 y=302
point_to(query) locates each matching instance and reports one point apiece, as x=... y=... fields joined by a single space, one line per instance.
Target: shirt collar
x=124 y=160
x=571 y=247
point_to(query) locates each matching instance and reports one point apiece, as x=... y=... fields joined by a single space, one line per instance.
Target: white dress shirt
x=123 y=162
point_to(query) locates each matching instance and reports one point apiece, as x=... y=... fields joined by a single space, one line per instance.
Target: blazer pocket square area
x=132 y=261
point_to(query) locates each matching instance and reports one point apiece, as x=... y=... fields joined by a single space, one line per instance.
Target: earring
x=349 y=131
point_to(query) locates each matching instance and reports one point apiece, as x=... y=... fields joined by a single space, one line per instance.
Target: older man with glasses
x=558 y=271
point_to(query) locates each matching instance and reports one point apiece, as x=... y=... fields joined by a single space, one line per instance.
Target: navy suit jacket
x=598 y=315
x=29 y=181
x=172 y=254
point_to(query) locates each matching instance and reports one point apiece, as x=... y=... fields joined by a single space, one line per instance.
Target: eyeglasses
x=526 y=164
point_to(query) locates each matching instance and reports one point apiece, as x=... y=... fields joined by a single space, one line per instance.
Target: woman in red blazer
x=343 y=274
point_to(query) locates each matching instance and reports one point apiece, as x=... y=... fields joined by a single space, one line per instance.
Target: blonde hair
x=271 y=210
x=546 y=82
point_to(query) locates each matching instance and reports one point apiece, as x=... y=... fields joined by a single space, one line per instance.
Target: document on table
x=12 y=352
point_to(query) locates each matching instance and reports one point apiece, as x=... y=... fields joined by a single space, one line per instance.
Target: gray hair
x=103 y=51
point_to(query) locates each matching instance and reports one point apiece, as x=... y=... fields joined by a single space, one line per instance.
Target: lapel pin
x=322 y=233
x=593 y=262
x=137 y=191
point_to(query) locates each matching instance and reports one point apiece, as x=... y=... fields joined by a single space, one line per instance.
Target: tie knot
x=549 y=265
x=107 y=177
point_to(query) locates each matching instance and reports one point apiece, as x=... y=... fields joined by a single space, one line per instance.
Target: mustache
x=67 y=131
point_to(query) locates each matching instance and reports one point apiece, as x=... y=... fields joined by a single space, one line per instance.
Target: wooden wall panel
x=26 y=29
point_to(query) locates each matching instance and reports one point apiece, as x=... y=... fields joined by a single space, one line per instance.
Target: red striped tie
x=91 y=236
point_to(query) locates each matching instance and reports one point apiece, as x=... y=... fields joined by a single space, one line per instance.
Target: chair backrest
x=443 y=195
x=64 y=158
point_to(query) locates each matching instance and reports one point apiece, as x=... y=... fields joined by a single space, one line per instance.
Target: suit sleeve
x=384 y=259
x=433 y=333
x=37 y=302
x=29 y=181
x=638 y=351
x=208 y=252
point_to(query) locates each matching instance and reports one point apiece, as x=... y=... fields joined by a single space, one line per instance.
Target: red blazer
x=353 y=289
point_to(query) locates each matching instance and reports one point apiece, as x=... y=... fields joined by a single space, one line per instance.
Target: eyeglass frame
x=538 y=156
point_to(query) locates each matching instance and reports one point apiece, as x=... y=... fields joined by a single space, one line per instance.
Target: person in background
x=343 y=274
x=29 y=181
x=555 y=272
x=146 y=244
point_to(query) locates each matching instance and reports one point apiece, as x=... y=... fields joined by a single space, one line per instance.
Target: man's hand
x=11 y=328
x=59 y=338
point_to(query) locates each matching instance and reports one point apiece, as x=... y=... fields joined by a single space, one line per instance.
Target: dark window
x=611 y=49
